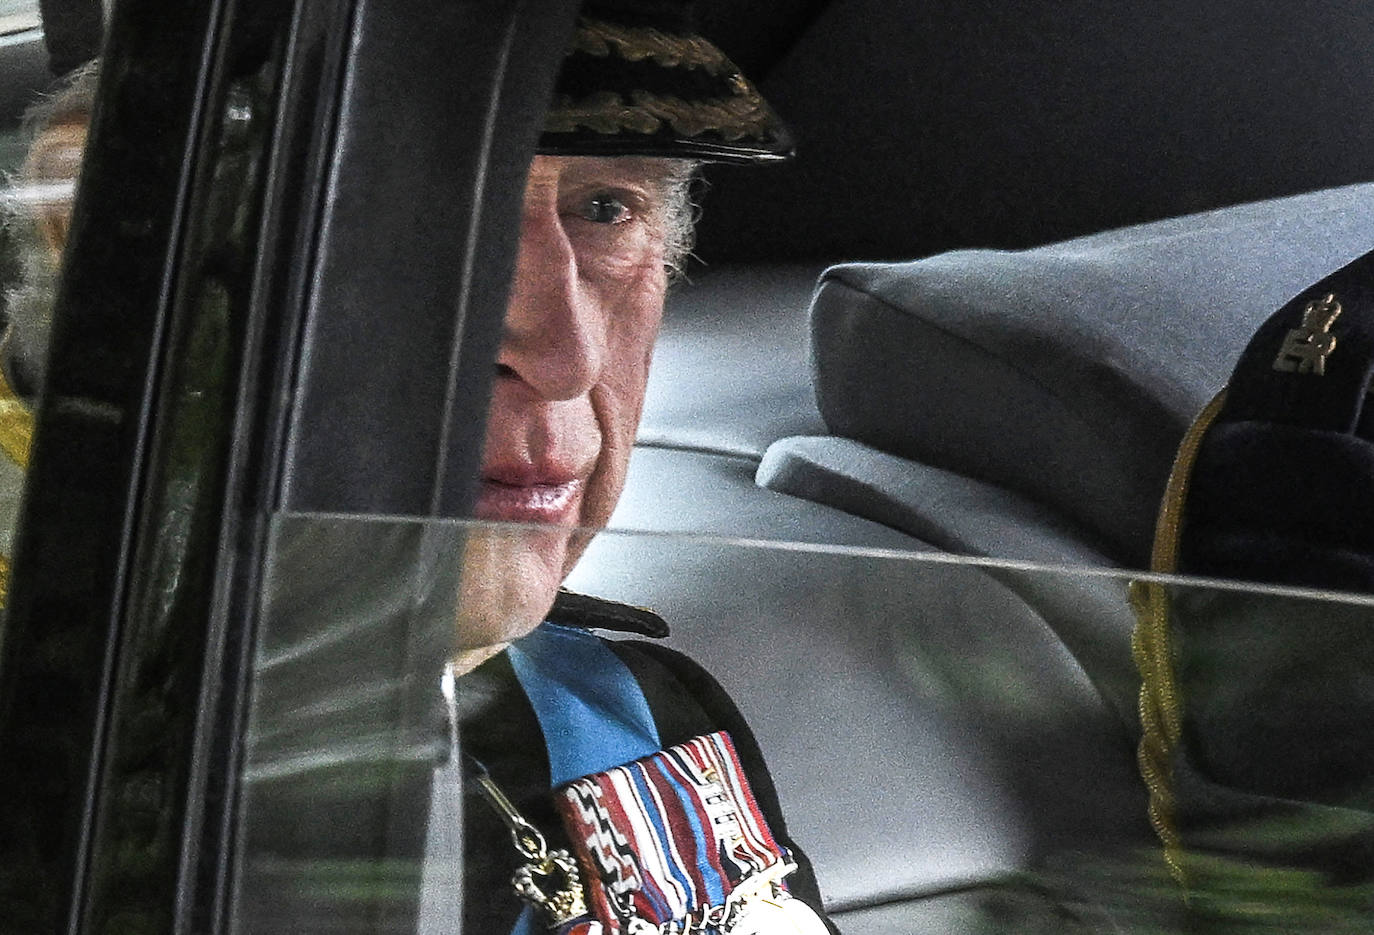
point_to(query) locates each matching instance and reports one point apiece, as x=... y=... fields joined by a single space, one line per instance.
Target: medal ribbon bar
x=668 y=838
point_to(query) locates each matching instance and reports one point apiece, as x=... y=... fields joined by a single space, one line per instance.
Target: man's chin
x=510 y=577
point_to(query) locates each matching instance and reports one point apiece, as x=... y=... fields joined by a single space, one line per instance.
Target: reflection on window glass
x=346 y=726
x=38 y=198
x=955 y=744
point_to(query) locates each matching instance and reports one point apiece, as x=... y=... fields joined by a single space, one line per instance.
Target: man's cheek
x=618 y=423
x=626 y=264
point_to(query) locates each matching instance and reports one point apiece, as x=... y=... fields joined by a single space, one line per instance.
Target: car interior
x=1020 y=248
x=909 y=423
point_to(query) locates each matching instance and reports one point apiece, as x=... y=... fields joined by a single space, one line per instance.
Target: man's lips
x=515 y=501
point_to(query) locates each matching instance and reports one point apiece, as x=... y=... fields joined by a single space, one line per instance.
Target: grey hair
x=680 y=214
x=72 y=99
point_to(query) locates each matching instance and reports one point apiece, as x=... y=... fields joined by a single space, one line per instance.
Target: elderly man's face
x=584 y=311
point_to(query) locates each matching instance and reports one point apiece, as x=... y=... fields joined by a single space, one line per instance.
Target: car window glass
x=45 y=152
x=954 y=741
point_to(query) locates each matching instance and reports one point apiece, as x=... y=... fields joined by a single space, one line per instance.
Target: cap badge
x=1306 y=347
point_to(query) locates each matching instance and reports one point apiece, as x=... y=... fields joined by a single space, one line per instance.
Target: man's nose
x=554 y=338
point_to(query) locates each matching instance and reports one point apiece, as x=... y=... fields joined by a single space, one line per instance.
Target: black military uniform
x=498 y=726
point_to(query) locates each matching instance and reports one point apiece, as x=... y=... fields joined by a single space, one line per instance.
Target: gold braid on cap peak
x=607 y=112
x=635 y=44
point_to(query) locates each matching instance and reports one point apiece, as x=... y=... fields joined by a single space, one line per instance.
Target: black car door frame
x=287 y=269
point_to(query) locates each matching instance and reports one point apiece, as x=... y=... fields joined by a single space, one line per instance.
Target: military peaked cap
x=639 y=80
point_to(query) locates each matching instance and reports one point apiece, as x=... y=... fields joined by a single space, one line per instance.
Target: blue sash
x=592 y=711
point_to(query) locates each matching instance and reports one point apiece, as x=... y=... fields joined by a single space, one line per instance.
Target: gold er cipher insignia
x=1306 y=348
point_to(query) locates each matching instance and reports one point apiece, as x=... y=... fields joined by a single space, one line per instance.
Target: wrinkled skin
x=585 y=307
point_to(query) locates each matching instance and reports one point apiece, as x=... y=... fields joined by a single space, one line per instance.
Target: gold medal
x=760 y=906
x=778 y=914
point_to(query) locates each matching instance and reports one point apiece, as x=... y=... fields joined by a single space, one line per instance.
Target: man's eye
x=605 y=209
